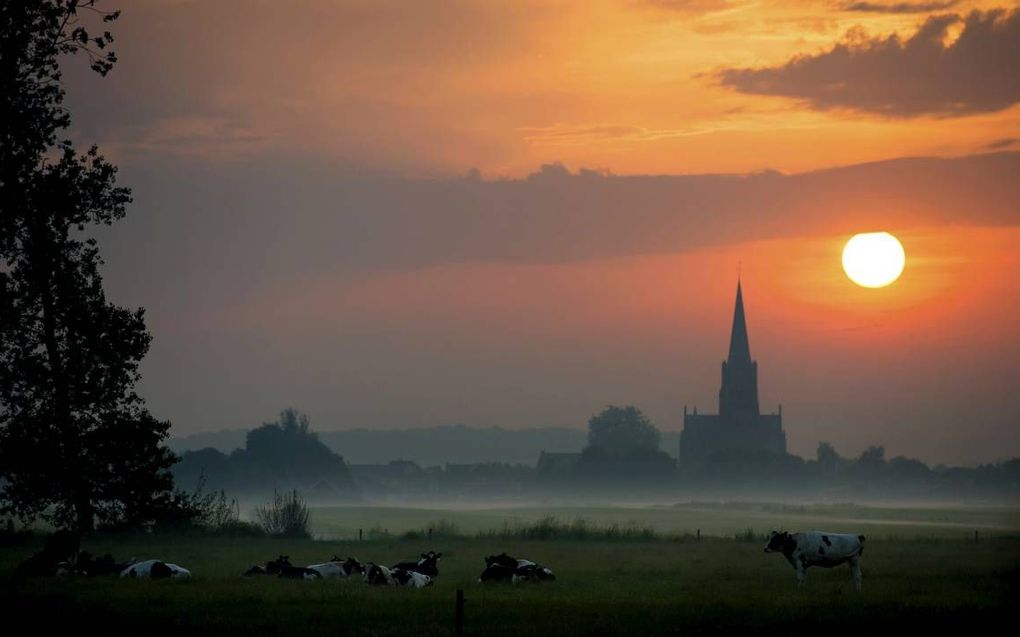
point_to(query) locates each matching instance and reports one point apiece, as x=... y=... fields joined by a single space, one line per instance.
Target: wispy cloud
x=899 y=7
x=1001 y=144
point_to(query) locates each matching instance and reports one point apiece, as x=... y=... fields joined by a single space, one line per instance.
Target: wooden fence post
x=359 y=535
x=459 y=616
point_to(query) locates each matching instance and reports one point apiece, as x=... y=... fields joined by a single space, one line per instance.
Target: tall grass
x=551 y=528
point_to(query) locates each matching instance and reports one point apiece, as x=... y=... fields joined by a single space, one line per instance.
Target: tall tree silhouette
x=77 y=444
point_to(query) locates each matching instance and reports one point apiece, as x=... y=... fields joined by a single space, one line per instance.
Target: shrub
x=286 y=515
x=747 y=535
x=205 y=512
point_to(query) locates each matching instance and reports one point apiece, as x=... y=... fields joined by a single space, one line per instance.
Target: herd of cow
x=60 y=556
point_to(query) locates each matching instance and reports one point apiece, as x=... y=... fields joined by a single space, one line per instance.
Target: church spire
x=740 y=349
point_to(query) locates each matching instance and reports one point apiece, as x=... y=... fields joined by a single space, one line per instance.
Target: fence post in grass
x=975 y=537
x=430 y=534
x=359 y=535
x=459 y=616
x=699 y=535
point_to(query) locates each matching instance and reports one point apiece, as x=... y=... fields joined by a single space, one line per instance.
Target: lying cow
x=87 y=566
x=272 y=567
x=58 y=557
x=379 y=575
x=338 y=567
x=428 y=564
x=819 y=549
x=504 y=568
x=155 y=569
x=299 y=572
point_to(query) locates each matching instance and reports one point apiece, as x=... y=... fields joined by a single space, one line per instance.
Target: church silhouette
x=739 y=425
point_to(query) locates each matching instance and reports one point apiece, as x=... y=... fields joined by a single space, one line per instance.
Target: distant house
x=556 y=464
x=396 y=475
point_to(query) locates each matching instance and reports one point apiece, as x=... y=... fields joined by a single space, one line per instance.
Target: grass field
x=719 y=519
x=927 y=579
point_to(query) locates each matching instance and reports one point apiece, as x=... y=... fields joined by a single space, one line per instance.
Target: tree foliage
x=622 y=430
x=76 y=442
x=623 y=443
x=282 y=454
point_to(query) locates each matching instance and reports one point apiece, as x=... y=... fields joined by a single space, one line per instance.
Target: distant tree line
x=622 y=452
x=283 y=455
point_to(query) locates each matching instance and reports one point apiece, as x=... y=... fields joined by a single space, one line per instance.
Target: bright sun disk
x=873 y=259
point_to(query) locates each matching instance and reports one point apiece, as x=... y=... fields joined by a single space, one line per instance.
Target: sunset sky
x=401 y=214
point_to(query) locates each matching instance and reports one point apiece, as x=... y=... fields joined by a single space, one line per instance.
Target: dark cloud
x=1003 y=143
x=210 y=230
x=921 y=75
x=899 y=7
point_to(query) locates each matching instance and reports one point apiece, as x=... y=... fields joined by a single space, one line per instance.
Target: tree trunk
x=75 y=482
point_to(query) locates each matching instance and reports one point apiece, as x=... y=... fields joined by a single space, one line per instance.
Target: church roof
x=740 y=349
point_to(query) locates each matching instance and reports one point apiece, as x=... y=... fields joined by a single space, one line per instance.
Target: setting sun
x=873 y=259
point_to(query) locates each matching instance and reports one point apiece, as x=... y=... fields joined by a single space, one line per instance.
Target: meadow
x=619 y=571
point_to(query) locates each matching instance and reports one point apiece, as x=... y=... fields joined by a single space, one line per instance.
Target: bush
x=550 y=528
x=436 y=529
x=748 y=535
x=205 y=512
x=286 y=515
x=11 y=536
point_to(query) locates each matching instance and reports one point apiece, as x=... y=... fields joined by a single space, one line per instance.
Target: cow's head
x=277 y=565
x=780 y=541
x=352 y=565
x=502 y=559
x=429 y=559
x=376 y=575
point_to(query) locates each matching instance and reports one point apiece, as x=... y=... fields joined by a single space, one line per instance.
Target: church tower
x=739 y=426
x=738 y=398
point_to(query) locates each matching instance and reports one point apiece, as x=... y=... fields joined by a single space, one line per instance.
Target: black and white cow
x=505 y=568
x=155 y=569
x=58 y=557
x=379 y=575
x=338 y=567
x=87 y=566
x=272 y=567
x=427 y=564
x=817 y=548
x=288 y=571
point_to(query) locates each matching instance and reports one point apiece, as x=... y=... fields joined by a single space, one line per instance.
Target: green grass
x=605 y=586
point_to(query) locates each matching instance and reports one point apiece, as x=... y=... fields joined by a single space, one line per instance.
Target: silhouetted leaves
x=76 y=442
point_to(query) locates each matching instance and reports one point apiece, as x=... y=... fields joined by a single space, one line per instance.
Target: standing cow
x=818 y=548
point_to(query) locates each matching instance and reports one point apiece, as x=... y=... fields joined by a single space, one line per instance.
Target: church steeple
x=740 y=349
x=738 y=396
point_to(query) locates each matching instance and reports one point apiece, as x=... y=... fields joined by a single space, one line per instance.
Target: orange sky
x=309 y=227
x=503 y=86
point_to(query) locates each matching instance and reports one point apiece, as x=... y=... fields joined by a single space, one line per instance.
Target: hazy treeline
x=284 y=454
x=621 y=453
x=425 y=446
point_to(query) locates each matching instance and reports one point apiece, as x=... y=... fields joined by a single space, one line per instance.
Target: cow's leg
x=855 y=572
x=801 y=574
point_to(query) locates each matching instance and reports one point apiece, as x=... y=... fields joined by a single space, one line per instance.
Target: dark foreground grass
x=645 y=587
